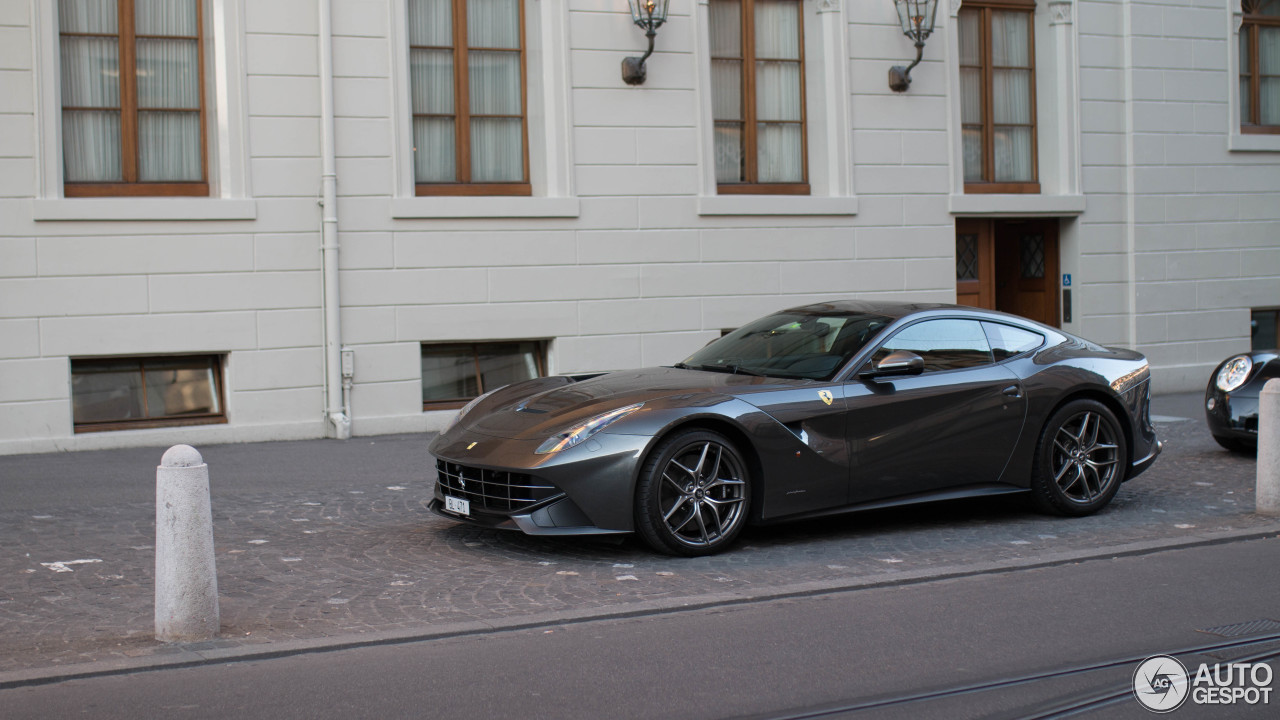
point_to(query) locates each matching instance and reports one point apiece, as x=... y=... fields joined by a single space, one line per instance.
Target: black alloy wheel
x=1080 y=460
x=693 y=494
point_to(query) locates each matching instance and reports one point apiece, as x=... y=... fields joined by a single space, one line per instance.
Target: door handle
x=1013 y=391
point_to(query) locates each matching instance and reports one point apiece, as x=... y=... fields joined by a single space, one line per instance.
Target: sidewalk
x=323 y=543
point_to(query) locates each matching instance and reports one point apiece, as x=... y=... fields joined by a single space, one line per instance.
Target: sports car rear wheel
x=693 y=494
x=1079 y=460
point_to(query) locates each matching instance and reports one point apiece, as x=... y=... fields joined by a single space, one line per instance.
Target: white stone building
x=165 y=235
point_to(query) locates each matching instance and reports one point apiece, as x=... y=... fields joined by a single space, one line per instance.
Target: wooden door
x=1027 y=268
x=975 y=264
x=1010 y=266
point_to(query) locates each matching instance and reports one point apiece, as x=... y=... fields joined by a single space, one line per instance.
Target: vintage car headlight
x=1234 y=373
x=572 y=436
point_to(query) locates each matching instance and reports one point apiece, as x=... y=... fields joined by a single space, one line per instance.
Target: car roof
x=897 y=310
x=891 y=309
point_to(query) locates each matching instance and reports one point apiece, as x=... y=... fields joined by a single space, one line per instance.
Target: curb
x=197 y=654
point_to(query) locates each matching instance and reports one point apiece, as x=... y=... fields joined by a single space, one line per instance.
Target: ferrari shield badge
x=826 y=396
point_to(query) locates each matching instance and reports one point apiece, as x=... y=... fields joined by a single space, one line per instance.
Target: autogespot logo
x=1161 y=684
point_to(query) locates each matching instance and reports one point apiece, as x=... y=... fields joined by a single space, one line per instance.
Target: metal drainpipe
x=335 y=406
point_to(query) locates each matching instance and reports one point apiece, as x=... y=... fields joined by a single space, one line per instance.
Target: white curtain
x=169 y=78
x=494 y=88
x=726 y=90
x=778 y=29
x=88 y=16
x=779 y=153
x=497 y=143
x=1246 y=108
x=1011 y=96
x=779 y=83
x=493 y=24
x=169 y=146
x=166 y=17
x=431 y=90
x=726 y=28
x=90 y=79
x=1269 y=65
x=972 y=141
x=91 y=146
x=971 y=92
x=168 y=91
x=497 y=150
x=431 y=23
x=726 y=103
x=433 y=144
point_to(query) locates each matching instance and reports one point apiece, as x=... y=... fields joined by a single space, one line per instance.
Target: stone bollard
x=186 y=579
x=1268 y=495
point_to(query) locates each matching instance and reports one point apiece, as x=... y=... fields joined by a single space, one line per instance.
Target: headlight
x=576 y=434
x=467 y=408
x=1234 y=373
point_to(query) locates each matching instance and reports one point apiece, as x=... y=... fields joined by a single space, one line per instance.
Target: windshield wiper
x=730 y=368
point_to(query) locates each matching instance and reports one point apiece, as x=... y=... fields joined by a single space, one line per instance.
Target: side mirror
x=899 y=362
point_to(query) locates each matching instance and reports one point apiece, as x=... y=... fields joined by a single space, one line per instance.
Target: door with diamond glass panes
x=1009 y=265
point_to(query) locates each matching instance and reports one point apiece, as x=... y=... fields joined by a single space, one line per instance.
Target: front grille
x=492 y=490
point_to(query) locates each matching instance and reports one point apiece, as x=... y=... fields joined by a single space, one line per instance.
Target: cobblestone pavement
x=359 y=552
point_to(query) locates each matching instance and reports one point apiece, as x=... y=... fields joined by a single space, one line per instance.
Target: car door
x=954 y=424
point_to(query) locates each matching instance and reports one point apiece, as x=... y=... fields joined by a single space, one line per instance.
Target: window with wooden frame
x=1264 y=328
x=133 y=100
x=142 y=392
x=468 y=97
x=1260 y=67
x=453 y=373
x=998 y=97
x=758 y=96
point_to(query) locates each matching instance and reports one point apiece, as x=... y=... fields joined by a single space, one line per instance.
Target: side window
x=454 y=373
x=467 y=86
x=1007 y=341
x=998 y=97
x=1260 y=67
x=944 y=344
x=133 y=108
x=123 y=393
x=757 y=86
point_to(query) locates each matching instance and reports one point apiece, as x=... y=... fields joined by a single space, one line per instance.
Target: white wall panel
x=638 y=276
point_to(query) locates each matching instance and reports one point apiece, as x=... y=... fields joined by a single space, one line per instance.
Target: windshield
x=790 y=344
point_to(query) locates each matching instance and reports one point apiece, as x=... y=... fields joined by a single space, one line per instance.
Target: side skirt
x=970 y=491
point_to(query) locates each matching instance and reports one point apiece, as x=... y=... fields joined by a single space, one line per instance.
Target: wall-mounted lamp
x=916 y=17
x=649 y=15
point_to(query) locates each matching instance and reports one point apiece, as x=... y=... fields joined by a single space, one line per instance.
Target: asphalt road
x=789 y=658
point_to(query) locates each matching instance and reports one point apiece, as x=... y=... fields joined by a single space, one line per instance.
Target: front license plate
x=457 y=505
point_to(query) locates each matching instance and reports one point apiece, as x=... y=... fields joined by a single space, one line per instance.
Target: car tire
x=1235 y=445
x=1080 y=460
x=693 y=494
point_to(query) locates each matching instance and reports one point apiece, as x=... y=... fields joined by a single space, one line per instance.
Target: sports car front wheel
x=1080 y=460
x=693 y=494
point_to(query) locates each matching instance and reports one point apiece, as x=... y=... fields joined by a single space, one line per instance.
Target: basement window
x=126 y=393
x=1264 y=329
x=454 y=373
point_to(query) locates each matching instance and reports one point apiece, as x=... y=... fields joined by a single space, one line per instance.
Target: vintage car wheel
x=1080 y=460
x=693 y=494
